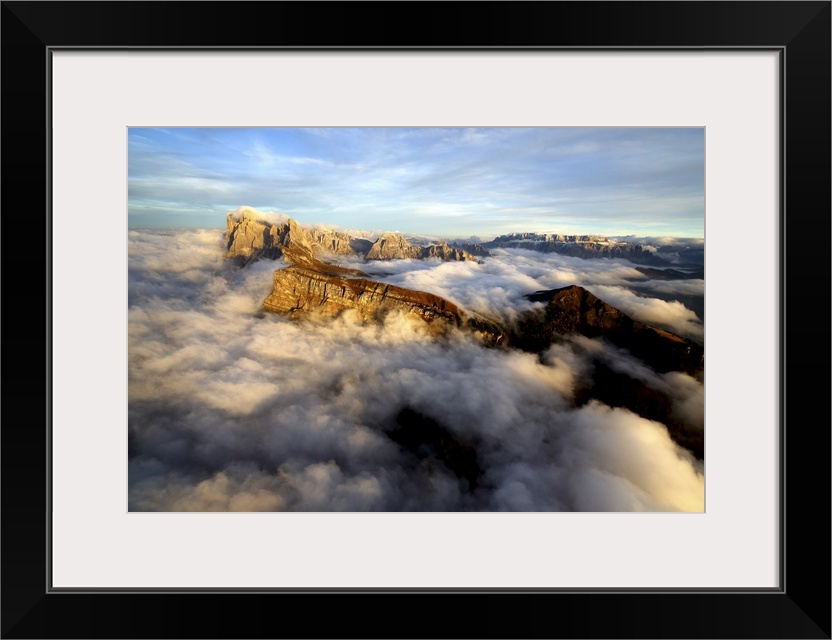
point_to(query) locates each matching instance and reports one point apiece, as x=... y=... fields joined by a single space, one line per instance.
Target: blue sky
x=453 y=183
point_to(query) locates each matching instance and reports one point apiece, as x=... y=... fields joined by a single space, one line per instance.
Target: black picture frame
x=799 y=31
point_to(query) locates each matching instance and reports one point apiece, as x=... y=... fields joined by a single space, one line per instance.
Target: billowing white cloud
x=235 y=409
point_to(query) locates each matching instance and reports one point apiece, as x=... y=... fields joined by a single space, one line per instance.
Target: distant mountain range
x=252 y=235
x=577 y=246
x=592 y=247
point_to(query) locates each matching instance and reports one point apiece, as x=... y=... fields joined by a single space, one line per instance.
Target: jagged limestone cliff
x=298 y=290
x=392 y=246
x=252 y=235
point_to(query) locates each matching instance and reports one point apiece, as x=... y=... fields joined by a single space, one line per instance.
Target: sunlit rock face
x=300 y=290
x=251 y=236
x=392 y=246
x=313 y=285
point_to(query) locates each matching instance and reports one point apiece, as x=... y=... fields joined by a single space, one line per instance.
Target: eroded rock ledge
x=300 y=290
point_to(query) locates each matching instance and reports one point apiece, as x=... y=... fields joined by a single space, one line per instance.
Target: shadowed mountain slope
x=574 y=310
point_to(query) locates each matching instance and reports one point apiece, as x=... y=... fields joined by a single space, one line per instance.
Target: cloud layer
x=233 y=409
x=498 y=286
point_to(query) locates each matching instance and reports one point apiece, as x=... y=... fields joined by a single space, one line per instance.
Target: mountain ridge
x=253 y=235
x=575 y=310
x=311 y=284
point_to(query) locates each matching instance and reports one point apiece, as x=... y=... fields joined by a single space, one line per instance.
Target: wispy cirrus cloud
x=475 y=181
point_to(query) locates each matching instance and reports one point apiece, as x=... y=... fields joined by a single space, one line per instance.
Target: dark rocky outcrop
x=574 y=310
x=671 y=274
x=691 y=255
x=474 y=248
x=424 y=437
x=617 y=389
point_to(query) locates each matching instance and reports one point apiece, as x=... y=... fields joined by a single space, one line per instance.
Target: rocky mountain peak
x=574 y=310
x=251 y=235
x=390 y=246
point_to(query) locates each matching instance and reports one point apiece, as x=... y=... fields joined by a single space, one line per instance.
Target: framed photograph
x=114 y=494
x=444 y=362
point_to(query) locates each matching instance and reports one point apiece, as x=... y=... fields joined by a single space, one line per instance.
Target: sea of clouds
x=235 y=409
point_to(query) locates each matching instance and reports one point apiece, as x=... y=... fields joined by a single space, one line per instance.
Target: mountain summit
x=574 y=310
x=392 y=246
x=252 y=235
